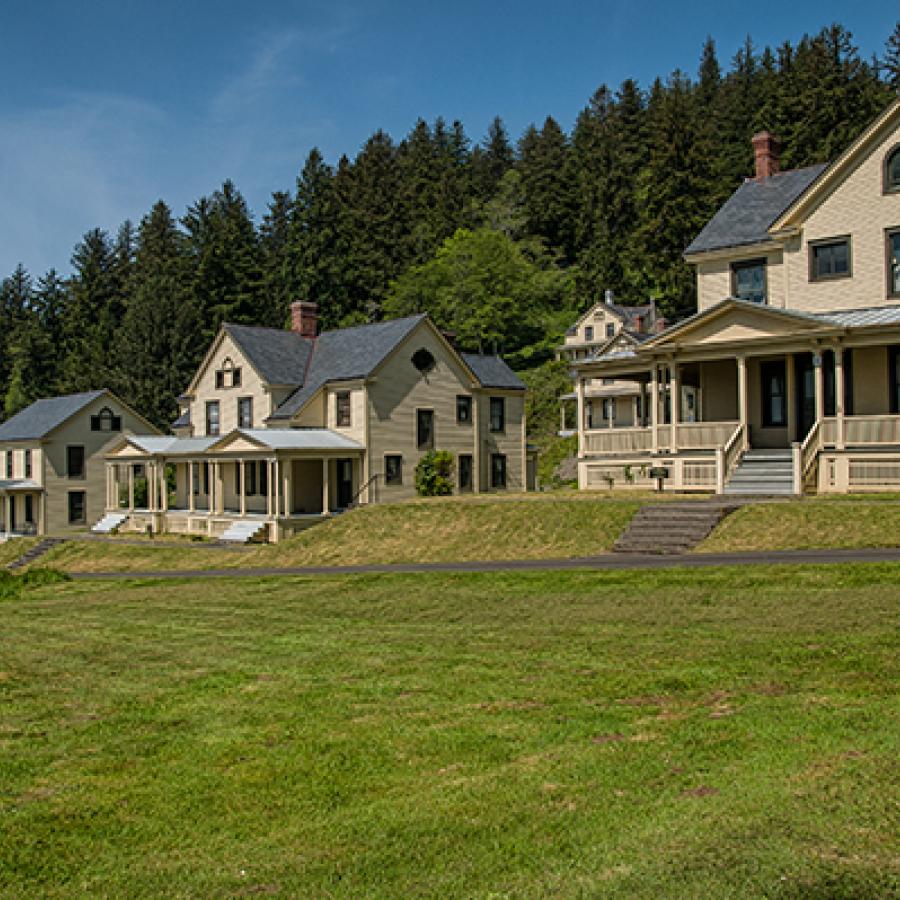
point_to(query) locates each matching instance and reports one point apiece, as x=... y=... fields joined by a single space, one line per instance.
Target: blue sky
x=106 y=107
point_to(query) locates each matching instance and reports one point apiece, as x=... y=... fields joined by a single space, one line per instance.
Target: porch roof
x=14 y=485
x=297 y=438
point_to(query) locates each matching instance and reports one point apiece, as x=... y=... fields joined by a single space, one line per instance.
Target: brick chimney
x=766 y=150
x=305 y=318
x=660 y=325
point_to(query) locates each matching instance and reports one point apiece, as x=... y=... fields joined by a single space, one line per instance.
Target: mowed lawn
x=709 y=733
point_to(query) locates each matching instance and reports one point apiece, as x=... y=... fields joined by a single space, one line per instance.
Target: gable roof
x=493 y=372
x=279 y=356
x=345 y=354
x=38 y=420
x=747 y=215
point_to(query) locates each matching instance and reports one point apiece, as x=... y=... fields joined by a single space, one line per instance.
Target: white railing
x=869 y=430
x=618 y=440
x=728 y=456
x=704 y=435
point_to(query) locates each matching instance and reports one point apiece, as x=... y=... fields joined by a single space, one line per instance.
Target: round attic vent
x=423 y=360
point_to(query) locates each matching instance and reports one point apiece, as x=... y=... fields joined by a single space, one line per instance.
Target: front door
x=806 y=393
x=345 y=483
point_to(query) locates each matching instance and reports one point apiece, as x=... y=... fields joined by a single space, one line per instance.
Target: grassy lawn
x=420 y=531
x=812 y=523
x=11 y=550
x=715 y=733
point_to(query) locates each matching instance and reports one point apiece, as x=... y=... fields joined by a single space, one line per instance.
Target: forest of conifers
x=502 y=241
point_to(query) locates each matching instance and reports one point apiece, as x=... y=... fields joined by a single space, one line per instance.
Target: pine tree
x=891 y=60
x=491 y=161
x=279 y=289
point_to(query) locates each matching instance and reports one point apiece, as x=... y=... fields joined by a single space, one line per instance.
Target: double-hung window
x=498 y=414
x=463 y=410
x=9 y=463
x=425 y=429
x=342 y=409
x=393 y=469
x=75 y=461
x=748 y=280
x=212 y=417
x=893 y=260
x=245 y=412
x=829 y=259
x=498 y=470
x=28 y=464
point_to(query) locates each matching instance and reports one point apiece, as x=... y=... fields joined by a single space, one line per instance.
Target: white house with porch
x=793 y=358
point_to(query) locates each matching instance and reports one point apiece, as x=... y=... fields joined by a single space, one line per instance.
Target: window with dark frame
x=465 y=472
x=29 y=509
x=75 y=461
x=588 y=332
x=463 y=410
x=425 y=429
x=106 y=420
x=77 y=510
x=498 y=414
x=212 y=418
x=610 y=329
x=28 y=464
x=498 y=470
x=236 y=377
x=245 y=412
x=220 y=380
x=342 y=409
x=9 y=463
x=748 y=280
x=393 y=469
x=774 y=411
x=829 y=259
x=894 y=378
x=892 y=171
x=893 y=260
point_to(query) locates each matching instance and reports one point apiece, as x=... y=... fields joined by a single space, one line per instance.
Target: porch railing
x=868 y=430
x=704 y=435
x=728 y=456
x=618 y=440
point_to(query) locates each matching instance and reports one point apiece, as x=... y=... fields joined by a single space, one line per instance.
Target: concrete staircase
x=242 y=531
x=668 y=528
x=109 y=523
x=762 y=472
x=36 y=552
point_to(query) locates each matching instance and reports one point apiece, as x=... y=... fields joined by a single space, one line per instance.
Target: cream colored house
x=52 y=465
x=608 y=328
x=793 y=356
x=282 y=428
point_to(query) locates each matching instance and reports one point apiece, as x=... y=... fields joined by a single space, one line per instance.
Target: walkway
x=596 y=563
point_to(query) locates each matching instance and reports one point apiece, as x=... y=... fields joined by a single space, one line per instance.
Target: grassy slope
x=849 y=522
x=10 y=551
x=679 y=734
x=424 y=531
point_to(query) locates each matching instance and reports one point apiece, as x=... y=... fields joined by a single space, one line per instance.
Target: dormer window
x=748 y=280
x=229 y=376
x=892 y=171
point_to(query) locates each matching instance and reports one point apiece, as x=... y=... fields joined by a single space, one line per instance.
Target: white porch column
x=218 y=488
x=109 y=485
x=743 y=405
x=269 y=488
x=654 y=408
x=288 y=496
x=164 y=488
x=675 y=401
x=562 y=415
x=580 y=409
x=151 y=486
x=242 y=468
x=820 y=384
x=131 y=487
x=839 y=398
x=325 y=486
x=276 y=487
x=190 y=485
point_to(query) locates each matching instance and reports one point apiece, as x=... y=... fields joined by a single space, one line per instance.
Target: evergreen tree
x=491 y=161
x=891 y=61
x=279 y=289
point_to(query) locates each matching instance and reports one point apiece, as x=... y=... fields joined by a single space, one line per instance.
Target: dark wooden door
x=806 y=393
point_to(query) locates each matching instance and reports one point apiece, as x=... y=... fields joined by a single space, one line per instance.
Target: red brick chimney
x=305 y=318
x=766 y=149
x=660 y=325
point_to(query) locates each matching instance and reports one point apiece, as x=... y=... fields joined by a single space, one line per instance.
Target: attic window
x=106 y=421
x=229 y=375
x=892 y=172
x=423 y=360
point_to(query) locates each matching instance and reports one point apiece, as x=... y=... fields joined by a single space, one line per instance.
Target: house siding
x=714 y=278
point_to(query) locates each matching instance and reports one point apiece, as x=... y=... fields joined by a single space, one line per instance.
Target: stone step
x=36 y=552
x=669 y=529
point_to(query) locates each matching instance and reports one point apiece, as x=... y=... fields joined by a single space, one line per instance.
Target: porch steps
x=36 y=552
x=109 y=523
x=243 y=531
x=671 y=528
x=763 y=473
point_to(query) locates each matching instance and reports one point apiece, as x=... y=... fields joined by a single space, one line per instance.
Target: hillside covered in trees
x=502 y=242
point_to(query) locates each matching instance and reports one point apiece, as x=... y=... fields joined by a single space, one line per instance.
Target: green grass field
x=714 y=733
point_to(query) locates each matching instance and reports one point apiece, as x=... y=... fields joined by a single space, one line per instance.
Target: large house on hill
x=280 y=428
x=52 y=461
x=793 y=356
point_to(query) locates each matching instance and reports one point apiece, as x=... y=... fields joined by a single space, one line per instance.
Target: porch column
x=268 y=464
x=276 y=487
x=151 y=486
x=219 y=488
x=790 y=387
x=41 y=512
x=190 y=485
x=675 y=401
x=820 y=384
x=839 y=397
x=130 y=487
x=108 y=486
x=242 y=468
x=579 y=392
x=163 y=488
x=562 y=415
x=325 y=486
x=288 y=496
x=476 y=447
x=654 y=408
x=742 y=400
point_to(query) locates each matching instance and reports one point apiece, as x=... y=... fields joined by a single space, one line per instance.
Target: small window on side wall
x=463 y=410
x=425 y=429
x=893 y=262
x=748 y=280
x=245 y=412
x=829 y=259
x=892 y=171
x=75 y=461
x=498 y=414
x=393 y=470
x=342 y=409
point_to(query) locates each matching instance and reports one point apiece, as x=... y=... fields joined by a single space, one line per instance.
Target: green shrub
x=13 y=586
x=434 y=474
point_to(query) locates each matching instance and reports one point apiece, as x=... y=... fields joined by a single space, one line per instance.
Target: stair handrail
x=353 y=503
x=810 y=447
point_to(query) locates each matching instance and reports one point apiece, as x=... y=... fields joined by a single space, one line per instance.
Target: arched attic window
x=106 y=420
x=229 y=375
x=892 y=171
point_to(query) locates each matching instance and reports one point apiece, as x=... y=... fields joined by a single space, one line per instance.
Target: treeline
x=502 y=243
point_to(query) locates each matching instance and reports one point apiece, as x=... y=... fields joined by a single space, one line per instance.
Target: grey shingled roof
x=345 y=354
x=859 y=318
x=39 y=419
x=280 y=357
x=183 y=420
x=492 y=372
x=747 y=214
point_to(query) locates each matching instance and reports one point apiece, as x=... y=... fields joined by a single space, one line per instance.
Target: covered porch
x=273 y=485
x=22 y=510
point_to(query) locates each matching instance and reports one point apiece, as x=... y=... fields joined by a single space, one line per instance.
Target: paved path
x=608 y=562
